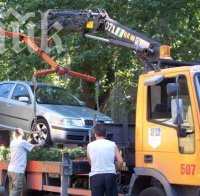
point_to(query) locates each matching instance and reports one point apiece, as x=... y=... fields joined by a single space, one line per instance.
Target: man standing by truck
x=102 y=155
x=18 y=161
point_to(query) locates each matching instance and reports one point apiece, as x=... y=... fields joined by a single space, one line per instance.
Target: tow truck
x=161 y=151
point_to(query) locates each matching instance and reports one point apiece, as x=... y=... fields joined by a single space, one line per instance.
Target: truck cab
x=165 y=148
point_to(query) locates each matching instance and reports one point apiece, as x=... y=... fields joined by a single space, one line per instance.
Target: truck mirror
x=154 y=80
x=177 y=111
x=172 y=89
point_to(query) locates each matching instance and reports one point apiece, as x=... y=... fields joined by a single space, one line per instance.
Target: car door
x=5 y=90
x=21 y=113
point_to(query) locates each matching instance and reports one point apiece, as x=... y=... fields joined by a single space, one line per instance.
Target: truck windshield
x=56 y=96
x=197 y=85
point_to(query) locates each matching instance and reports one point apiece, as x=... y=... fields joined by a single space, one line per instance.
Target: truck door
x=171 y=147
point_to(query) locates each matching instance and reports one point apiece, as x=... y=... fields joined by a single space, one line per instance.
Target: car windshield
x=55 y=95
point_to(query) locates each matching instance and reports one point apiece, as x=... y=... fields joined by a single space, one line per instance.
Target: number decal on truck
x=117 y=31
x=110 y=27
x=188 y=169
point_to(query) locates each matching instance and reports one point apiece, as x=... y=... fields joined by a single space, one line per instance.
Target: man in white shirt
x=102 y=155
x=18 y=161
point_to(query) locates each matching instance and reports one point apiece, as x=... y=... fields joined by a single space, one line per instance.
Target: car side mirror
x=24 y=99
x=177 y=111
x=82 y=103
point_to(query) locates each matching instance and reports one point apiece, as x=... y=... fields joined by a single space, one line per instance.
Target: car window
x=5 y=89
x=20 y=91
x=55 y=95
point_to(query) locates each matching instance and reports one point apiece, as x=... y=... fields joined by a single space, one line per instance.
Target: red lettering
x=187 y=169
x=182 y=169
x=192 y=168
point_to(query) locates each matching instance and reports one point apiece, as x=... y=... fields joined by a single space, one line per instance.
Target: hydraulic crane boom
x=56 y=68
x=89 y=22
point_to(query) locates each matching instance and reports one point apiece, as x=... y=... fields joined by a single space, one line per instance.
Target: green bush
x=47 y=154
x=4 y=153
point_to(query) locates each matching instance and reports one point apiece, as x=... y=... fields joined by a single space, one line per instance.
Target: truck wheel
x=42 y=132
x=154 y=191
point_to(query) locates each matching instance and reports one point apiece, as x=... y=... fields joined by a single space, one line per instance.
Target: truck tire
x=154 y=191
x=42 y=132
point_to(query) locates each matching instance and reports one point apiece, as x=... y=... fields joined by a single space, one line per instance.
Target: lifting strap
x=97 y=94
x=34 y=81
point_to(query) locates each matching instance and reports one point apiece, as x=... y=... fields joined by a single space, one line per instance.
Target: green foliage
x=54 y=154
x=4 y=153
x=47 y=154
x=173 y=22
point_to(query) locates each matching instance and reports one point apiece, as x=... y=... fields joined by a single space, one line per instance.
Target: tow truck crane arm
x=56 y=68
x=89 y=22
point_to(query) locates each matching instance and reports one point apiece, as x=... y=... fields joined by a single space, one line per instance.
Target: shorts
x=104 y=184
x=16 y=183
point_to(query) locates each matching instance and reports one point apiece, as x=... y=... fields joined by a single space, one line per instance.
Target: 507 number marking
x=188 y=169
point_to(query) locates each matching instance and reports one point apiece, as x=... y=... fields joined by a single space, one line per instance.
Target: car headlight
x=71 y=122
x=108 y=121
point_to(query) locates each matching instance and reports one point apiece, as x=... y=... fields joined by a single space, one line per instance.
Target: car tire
x=42 y=132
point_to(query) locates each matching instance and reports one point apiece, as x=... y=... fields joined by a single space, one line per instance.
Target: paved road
x=36 y=193
x=1 y=191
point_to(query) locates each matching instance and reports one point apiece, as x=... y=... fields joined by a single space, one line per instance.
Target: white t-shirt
x=18 y=149
x=102 y=155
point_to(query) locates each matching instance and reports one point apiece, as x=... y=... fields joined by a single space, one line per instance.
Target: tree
x=174 y=22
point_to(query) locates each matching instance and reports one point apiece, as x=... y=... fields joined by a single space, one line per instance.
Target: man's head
x=19 y=132
x=99 y=130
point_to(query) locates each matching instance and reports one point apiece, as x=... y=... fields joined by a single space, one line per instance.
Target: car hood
x=71 y=111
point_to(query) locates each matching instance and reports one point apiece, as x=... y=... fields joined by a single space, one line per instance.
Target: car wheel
x=41 y=132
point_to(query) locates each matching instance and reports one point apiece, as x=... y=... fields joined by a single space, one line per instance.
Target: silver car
x=56 y=115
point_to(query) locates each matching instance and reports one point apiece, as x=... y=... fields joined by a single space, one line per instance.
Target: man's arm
x=42 y=144
x=38 y=145
x=88 y=156
x=28 y=146
x=118 y=158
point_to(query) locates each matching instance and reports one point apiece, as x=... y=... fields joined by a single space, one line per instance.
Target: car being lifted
x=60 y=116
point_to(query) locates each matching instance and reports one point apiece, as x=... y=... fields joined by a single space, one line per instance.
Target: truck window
x=186 y=144
x=159 y=102
x=160 y=110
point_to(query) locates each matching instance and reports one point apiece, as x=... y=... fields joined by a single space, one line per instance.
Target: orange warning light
x=165 y=51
